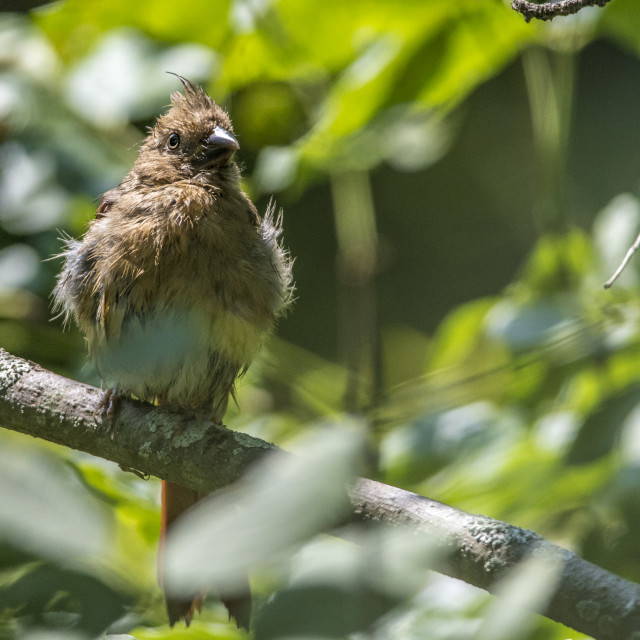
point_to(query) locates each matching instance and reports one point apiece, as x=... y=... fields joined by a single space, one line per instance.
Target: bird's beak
x=220 y=146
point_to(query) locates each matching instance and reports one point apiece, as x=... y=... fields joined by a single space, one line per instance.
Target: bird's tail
x=177 y=499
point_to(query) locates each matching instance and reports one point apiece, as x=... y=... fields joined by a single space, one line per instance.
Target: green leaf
x=73 y=595
x=276 y=507
x=44 y=512
x=601 y=430
x=320 y=611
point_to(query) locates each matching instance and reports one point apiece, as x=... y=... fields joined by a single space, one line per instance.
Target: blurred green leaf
x=559 y=263
x=414 y=451
x=36 y=489
x=320 y=611
x=74 y=27
x=50 y=592
x=459 y=335
x=530 y=587
x=601 y=430
x=275 y=508
x=621 y=22
x=339 y=587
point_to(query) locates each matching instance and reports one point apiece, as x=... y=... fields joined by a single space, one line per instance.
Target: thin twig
x=549 y=10
x=623 y=264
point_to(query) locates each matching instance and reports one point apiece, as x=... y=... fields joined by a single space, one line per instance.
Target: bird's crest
x=193 y=95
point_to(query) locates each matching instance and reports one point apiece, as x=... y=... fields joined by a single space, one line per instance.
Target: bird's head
x=193 y=139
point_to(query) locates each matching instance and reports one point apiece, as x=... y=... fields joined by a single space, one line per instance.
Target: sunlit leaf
x=74 y=26
x=621 y=21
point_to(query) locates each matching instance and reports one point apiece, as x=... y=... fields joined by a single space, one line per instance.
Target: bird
x=176 y=283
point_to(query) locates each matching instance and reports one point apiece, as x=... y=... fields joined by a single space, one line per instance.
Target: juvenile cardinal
x=177 y=281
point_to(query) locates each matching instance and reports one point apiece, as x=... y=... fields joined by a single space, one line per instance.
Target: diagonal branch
x=479 y=550
x=550 y=10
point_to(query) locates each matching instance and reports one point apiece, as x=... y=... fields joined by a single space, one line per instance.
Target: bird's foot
x=107 y=408
x=203 y=417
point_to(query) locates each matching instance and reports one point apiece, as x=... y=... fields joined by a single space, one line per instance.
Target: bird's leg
x=107 y=407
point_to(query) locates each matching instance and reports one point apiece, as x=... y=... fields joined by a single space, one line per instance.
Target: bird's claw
x=107 y=408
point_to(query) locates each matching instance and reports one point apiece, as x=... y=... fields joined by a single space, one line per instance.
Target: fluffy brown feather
x=178 y=279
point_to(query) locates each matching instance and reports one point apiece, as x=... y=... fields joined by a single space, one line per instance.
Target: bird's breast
x=189 y=311
x=187 y=355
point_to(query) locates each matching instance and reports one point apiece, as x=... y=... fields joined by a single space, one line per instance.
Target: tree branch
x=205 y=457
x=549 y=10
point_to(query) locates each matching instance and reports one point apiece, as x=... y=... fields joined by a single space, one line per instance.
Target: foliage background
x=457 y=186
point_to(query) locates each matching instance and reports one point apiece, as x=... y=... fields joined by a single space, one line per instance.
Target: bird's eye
x=174 y=141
